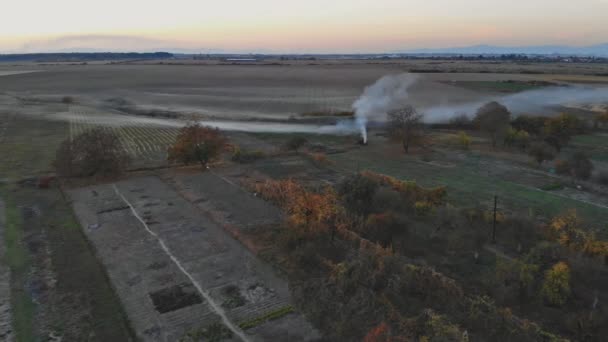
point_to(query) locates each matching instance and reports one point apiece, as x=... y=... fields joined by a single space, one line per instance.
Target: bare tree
x=405 y=125
x=493 y=118
x=541 y=151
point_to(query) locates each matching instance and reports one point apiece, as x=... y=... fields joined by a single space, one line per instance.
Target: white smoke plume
x=388 y=93
x=533 y=102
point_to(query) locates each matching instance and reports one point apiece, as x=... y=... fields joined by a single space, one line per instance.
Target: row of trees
x=495 y=120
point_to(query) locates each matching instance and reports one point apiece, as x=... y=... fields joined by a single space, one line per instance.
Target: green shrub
x=216 y=332
x=276 y=314
x=552 y=186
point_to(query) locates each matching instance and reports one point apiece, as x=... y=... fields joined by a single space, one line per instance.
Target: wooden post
x=494 y=221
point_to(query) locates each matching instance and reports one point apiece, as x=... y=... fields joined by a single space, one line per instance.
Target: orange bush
x=197 y=143
x=380 y=333
x=319 y=158
x=314 y=211
x=416 y=193
x=567 y=230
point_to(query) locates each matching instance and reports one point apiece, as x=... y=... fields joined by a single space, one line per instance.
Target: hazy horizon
x=314 y=26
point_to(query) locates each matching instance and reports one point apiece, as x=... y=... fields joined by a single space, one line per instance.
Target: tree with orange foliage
x=197 y=143
x=566 y=227
x=311 y=211
x=315 y=212
x=380 y=333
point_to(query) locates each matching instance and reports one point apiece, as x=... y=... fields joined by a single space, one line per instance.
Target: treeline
x=82 y=56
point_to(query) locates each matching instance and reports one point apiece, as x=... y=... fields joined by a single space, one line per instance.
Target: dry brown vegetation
x=93 y=153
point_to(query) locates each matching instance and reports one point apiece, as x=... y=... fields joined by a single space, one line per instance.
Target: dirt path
x=6 y=329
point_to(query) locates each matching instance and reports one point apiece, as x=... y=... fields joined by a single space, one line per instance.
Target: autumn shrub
x=312 y=212
x=500 y=324
x=197 y=144
x=559 y=130
x=432 y=326
x=556 y=285
x=567 y=229
x=357 y=193
x=243 y=156
x=423 y=208
x=562 y=167
x=379 y=333
x=410 y=190
x=318 y=159
x=382 y=227
x=464 y=140
x=96 y=152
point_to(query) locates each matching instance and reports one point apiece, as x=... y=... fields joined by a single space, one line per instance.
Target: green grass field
x=469 y=185
x=18 y=260
x=596 y=145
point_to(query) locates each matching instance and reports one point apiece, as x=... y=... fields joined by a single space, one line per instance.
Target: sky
x=305 y=26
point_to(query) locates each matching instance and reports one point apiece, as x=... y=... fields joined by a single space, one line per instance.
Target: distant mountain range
x=593 y=50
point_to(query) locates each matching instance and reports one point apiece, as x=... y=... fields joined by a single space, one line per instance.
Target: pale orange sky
x=298 y=26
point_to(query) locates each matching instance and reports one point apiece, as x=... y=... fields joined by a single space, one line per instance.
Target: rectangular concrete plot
x=241 y=207
x=138 y=268
x=215 y=259
x=157 y=295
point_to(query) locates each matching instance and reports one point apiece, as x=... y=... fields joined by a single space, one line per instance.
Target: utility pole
x=494 y=220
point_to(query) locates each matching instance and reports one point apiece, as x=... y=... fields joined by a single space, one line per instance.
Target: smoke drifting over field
x=531 y=101
x=388 y=93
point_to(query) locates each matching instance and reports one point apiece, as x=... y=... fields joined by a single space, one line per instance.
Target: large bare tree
x=493 y=118
x=405 y=125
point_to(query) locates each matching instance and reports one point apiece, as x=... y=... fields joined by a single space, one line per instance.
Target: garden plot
x=159 y=292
